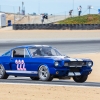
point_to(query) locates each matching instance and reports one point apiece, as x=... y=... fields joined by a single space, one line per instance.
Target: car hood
x=66 y=58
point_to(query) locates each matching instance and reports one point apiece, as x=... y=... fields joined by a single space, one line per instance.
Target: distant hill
x=86 y=19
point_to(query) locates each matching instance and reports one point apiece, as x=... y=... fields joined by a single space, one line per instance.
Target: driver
x=46 y=51
x=37 y=52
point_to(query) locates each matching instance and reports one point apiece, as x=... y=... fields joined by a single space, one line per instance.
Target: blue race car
x=42 y=62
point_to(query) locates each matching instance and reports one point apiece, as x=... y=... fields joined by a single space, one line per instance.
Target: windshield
x=43 y=51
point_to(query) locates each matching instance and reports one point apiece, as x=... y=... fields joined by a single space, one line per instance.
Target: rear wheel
x=80 y=79
x=44 y=73
x=34 y=78
x=3 y=74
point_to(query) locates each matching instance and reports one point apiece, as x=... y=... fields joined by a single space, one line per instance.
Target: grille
x=76 y=63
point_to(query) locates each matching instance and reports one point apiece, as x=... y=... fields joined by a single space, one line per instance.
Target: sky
x=56 y=7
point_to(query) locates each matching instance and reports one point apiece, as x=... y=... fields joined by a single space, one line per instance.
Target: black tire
x=44 y=74
x=80 y=79
x=3 y=74
x=34 y=78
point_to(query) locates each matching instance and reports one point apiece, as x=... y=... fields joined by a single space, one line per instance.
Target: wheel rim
x=43 y=72
x=1 y=70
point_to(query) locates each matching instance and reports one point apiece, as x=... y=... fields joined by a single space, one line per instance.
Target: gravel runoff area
x=40 y=92
x=34 y=92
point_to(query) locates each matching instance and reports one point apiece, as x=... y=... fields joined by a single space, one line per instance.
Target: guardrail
x=56 y=26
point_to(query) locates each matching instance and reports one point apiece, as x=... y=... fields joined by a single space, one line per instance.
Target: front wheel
x=3 y=74
x=44 y=73
x=80 y=79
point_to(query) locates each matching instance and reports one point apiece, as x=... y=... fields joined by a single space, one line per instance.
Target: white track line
x=48 y=85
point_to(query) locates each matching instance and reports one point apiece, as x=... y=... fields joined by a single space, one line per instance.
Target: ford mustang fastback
x=43 y=62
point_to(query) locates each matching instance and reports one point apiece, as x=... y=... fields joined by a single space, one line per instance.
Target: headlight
x=89 y=64
x=56 y=63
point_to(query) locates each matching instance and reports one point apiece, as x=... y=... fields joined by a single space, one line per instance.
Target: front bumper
x=71 y=71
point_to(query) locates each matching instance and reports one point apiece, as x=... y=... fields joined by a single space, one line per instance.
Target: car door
x=20 y=62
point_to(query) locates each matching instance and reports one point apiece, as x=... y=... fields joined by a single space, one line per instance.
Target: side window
x=21 y=52
x=18 y=52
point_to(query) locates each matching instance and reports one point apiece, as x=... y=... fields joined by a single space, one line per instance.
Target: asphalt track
x=25 y=80
x=66 y=47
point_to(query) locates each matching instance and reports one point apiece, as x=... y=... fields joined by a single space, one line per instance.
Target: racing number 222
x=20 y=65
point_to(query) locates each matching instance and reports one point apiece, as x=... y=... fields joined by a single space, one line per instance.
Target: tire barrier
x=56 y=26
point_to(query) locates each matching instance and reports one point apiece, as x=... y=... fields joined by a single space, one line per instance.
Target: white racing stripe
x=78 y=59
x=77 y=73
x=23 y=72
x=71 y=59
x=71 y=74
x=74 y=74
